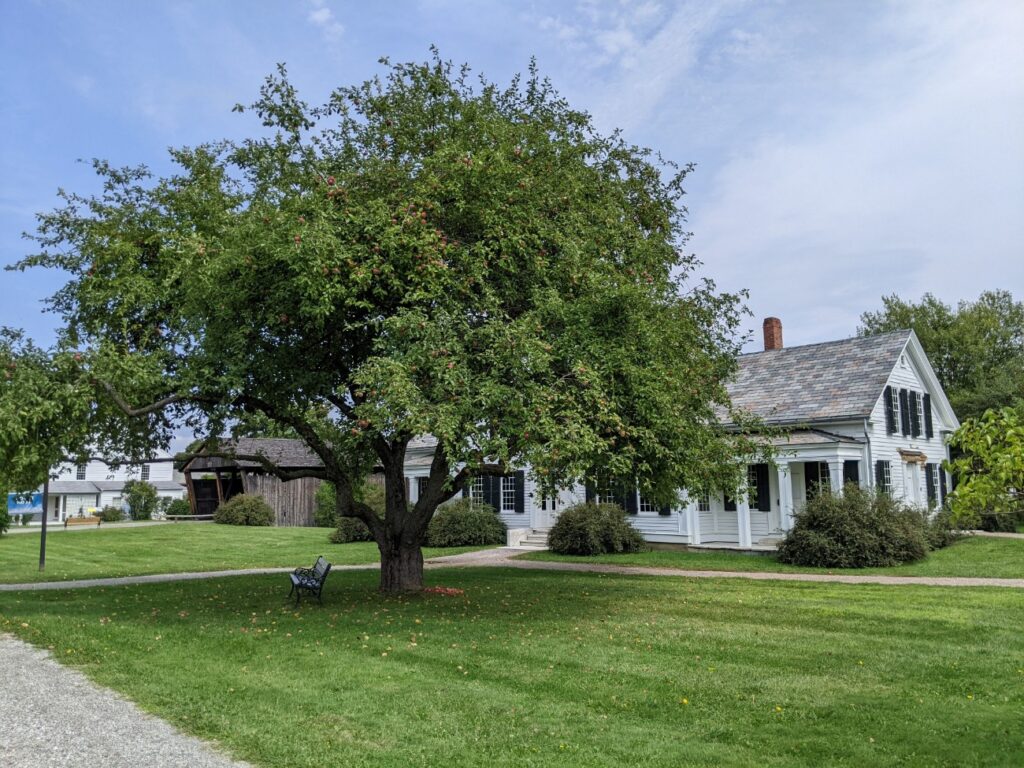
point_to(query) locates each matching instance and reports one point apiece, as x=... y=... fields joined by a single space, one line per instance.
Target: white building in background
x=866 y=410
x=78 y=490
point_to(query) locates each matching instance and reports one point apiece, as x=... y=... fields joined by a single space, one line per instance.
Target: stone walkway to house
x=504 y=557
x=56 y=718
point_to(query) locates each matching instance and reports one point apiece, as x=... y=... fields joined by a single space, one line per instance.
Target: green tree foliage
x=5 y=521
x=977 y=349
x=141 y=498
x=990 y=469
x=424 y=253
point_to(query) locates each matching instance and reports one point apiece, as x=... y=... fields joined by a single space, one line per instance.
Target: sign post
x=46 y=511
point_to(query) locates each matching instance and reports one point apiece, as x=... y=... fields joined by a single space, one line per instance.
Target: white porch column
x=835 y=473
x=694 y=522
x=785 y=497
x=743 y=519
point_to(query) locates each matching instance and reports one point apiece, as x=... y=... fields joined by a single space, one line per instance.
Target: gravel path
x=54 y=717
x=504 y=557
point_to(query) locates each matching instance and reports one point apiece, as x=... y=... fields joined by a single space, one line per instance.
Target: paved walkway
x=504 y=557
x=54 y=717
x=56 y=527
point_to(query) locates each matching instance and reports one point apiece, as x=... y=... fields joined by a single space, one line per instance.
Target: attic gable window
x=144 y=472
x=894 y=404
x=80 y=472
x=919 y=400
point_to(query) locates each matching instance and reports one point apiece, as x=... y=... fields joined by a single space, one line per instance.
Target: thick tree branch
x=128 y=410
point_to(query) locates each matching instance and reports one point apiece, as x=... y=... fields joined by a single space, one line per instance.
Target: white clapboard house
x=80 y=490
x=867 y=410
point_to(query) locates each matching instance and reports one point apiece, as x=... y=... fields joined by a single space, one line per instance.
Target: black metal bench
x=310 y=580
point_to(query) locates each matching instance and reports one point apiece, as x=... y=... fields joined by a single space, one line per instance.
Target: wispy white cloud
x=320 y=15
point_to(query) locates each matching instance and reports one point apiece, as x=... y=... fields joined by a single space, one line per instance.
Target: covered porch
x=759 y=517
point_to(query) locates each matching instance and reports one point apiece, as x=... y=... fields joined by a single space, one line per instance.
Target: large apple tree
x=425 y=253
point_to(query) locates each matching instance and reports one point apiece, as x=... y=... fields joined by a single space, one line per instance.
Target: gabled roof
x=831 y=381
x=285 y=453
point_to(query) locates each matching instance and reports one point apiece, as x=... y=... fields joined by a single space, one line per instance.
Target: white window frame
x=80 y=472
x=895 y=397
x=887 y=476
x=704 y=502
x=937 y=485
x=476 y=491
x=920 y=415
x=646 y=507
x=508 y=493
x=144 y=472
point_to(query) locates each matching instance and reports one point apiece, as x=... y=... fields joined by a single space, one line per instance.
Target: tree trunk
x=401 y=567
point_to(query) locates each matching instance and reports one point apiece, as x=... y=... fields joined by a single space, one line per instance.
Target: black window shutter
x=904 y=412
x=915 y=416
x=520 y=492
x=492 y=491
x=811 y=478
x=466 y=487
x=851 y=472
x=730 y=503
x=591 y=493
x=928 y=427
x=890 y=415
x=942 y=485
x=929 y=480
x=629 y=502
x=764 y=490
x=880 y=475
x=665 y=511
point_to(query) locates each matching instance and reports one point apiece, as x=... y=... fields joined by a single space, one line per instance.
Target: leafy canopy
x=977 y=349
x=990 y=469
x=423 y=253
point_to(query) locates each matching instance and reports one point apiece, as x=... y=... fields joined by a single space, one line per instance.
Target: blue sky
x=845 y=150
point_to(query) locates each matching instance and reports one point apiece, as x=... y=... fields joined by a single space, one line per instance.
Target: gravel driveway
x=54 y=717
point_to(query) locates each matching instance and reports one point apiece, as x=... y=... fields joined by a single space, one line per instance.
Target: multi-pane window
x=476 y=491
x=937 y=484
x=145 y=471
x=549 y=502
x=647 y=506
x=895 y=397
x=886 y=476
x=508 y=493
x=421 y=486
x=704 y=503
x=80 y=472
x=919 y=400
x=603 y=492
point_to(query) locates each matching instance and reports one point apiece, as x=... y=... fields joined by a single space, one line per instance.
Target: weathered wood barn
x=212 y=480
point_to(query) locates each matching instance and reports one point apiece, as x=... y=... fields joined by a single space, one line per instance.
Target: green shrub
x=594 y=529
x=857 y=529
x=5 y=521
x=999 y=522
x=325 y=514
x=941 y=530
x=350 y=529
x=112 y=514
x=244 y=509
x=141 y=499
x=26 y=518
x=179 y=508
x=465 y=524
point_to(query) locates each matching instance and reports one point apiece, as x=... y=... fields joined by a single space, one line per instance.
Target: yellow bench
x=82 y=521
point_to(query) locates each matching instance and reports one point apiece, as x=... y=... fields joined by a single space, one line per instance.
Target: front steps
x=533 y=538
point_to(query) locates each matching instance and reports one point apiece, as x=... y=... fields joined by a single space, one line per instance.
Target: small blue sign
x=19 y=505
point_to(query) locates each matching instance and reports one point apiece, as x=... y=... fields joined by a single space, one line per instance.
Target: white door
x=913 y=475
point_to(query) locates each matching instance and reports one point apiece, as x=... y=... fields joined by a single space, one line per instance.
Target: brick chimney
x=772 y=334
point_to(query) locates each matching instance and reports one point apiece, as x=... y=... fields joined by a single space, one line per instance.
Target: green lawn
x=544 y=669
x=175 y=547
x=975 y=556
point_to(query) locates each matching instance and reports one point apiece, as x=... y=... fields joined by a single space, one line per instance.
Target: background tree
x=424 y=253
x=990 y=470
x=977 y=349
x=141 y=499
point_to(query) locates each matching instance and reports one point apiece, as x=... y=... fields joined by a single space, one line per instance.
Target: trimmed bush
x=324 y=514
x=465 y=524
x=179 y=508
x=940 y=529
x=594 y=529
x=1000 y=522
x=112 y=514
x=141 y=499
x=5 y=521
x=244 y=509
x=27 y=518
x=350 y=529
x=858 y=529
